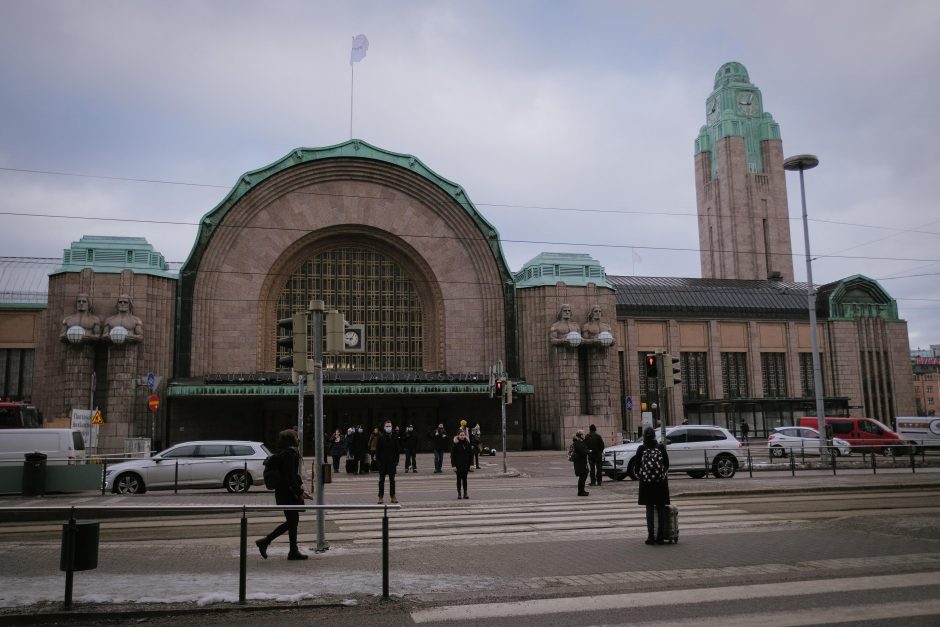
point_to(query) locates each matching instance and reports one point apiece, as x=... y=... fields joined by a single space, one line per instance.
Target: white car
x=233 y=464
x=801 y=441
x=693 y=449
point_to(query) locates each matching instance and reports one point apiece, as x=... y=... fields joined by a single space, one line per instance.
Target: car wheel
x=696 y=474
x=724 y=466
x=237 y=481
x=618 y=476
x=777 y=451
x=129 y=483
x=631 y=469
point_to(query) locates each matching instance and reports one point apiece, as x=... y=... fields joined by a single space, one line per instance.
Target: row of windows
x=734 y=375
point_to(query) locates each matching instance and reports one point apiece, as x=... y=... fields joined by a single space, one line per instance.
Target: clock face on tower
x=712 y=108
x=747 y=103
x=352 y=338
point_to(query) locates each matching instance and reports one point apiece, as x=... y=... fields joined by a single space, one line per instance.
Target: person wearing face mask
x=386 y=453
x=409 y=442
x=461 y=458
x=440 y=447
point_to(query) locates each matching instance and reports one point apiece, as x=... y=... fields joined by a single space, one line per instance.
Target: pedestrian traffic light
x=670 y=370
x=296 y=341
x=652 y=364
x=498 y=388
x=507 y=393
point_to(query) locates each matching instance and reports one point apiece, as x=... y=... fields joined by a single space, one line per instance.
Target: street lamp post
x=800 y=163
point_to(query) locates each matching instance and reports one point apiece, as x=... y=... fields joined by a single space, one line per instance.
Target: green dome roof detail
x=735 y=109
x=104 y=253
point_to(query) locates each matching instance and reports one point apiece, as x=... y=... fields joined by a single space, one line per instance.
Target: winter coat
x=461 y=456
x=440 y=440
x=337 y=446
x=386 y=452
x=289 y=489
x=580 y=456
x=373 y=442
x=409 y=441
x=596 y=443
x=653 y=493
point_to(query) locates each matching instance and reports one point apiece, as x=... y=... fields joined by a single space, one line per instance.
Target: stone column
x=122 y=370
x=567 y=389
x=76 y=378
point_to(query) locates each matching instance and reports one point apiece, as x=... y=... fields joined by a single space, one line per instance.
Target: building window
x=807 y=389
x=369 y=289
x=774 y=374
x=734 y=375
x=694 y=376
x=16 y=373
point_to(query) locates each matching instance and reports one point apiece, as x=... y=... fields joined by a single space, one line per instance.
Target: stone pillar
x=122 y=370
x=76 y=379
x=567 y=389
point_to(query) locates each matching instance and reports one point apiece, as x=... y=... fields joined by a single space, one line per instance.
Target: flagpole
x=352 y=82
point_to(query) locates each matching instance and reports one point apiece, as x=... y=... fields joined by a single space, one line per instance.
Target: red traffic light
x=499 y=388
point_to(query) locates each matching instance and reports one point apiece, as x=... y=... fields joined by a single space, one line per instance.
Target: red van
x=864 y=434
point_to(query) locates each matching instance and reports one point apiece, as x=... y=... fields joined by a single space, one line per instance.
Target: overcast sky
x=570 y=124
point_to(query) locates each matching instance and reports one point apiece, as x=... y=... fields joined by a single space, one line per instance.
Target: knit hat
x=463 y=423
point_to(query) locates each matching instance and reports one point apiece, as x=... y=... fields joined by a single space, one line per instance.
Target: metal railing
x=71 y=510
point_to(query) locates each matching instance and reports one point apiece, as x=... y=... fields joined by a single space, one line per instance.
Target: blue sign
x=151 y=381
x=629 y=404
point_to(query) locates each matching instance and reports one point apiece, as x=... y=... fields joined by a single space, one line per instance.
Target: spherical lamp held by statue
x=118 y=335
x=75 y=334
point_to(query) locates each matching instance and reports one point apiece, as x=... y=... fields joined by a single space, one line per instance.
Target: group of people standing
x=587 y=453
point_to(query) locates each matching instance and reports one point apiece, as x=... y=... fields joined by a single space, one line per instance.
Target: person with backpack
x=283 y=470
x=578 y=452
x=652 y=464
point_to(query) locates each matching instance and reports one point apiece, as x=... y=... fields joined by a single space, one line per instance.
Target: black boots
x=297 y=555
x=263 y=547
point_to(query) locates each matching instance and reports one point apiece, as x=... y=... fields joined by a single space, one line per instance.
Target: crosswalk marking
x=540 y=607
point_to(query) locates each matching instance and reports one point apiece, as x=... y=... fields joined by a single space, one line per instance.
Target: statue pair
x=90 y=324
x=588 y=334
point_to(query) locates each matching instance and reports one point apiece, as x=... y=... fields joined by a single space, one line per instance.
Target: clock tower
x=743 y=219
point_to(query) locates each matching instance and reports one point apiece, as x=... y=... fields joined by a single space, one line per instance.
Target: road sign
x=629 y=404
x=97 y=418
x=151 y=381
x=153 y=403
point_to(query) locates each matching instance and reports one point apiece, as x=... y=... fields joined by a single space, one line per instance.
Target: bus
x=17 y=415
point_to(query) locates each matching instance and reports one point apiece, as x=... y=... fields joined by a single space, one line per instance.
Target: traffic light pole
x=316 y=331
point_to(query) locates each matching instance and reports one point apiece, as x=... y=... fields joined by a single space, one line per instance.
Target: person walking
x=373 y=442
x=461 y=458
x=595 y=444
x=409 y=442
x=654 y=486
x=745 y=430
x=337 y=448
x=386 y=455
x=289 y=490
x=476 y=443
x=439 y=440
x=580 y=460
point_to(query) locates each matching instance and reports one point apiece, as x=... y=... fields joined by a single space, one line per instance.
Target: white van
x=922 y=431
x=61 y=446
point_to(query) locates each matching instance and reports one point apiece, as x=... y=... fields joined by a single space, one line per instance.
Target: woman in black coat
x=581 y=452
x=337 y=448
x=289 y=491
x=653 y=493
x=461 y=458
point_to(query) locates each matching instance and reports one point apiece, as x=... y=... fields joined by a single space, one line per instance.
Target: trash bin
x=34 y=474
x=79 y=545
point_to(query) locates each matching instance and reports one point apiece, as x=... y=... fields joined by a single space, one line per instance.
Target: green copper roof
x=735 y=109
x=104 y=253
x=570 y=268
x=857 y=296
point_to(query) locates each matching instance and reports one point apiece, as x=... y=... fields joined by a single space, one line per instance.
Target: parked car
x=232 y=464
x=693 y=449
x=801 y=441
x=864 y=434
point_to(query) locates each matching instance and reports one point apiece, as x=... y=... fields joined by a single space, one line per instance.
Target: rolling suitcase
x=671 y=533
x=351 y=465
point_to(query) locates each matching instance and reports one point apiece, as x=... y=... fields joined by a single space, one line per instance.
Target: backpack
x=571 y=452
x=652 y=466
x=272 y=472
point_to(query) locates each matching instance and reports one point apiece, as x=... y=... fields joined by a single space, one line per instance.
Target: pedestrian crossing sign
x=97 y=419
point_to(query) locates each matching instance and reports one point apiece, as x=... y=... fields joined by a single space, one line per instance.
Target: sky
x=571 y=125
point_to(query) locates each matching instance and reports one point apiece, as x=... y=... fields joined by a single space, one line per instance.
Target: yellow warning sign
x=97 y=419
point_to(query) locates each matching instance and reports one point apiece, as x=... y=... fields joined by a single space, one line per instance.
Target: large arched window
x=368 y=288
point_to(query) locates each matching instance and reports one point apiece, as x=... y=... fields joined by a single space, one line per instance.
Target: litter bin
x=34 y=474
x=79 y=545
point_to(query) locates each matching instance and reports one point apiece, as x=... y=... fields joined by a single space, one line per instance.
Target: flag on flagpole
x=360 y=45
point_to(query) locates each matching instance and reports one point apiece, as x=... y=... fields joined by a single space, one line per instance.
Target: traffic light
x=670 y=370
x=507 y=394
x=335 y=328
x=652 y=366
x=498 y=388
x=296 y=341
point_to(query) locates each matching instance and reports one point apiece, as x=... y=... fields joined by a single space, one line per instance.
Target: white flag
x=360 y=45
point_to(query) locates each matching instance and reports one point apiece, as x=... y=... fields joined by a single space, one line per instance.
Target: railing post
x=750 y=463
x=874 y=464
x=385 y=553
x=792 y=464
x=243 y=556
x=69 y=558
x=176 y=477
x=913 y=465
x=832 y=458
x=104 y=474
